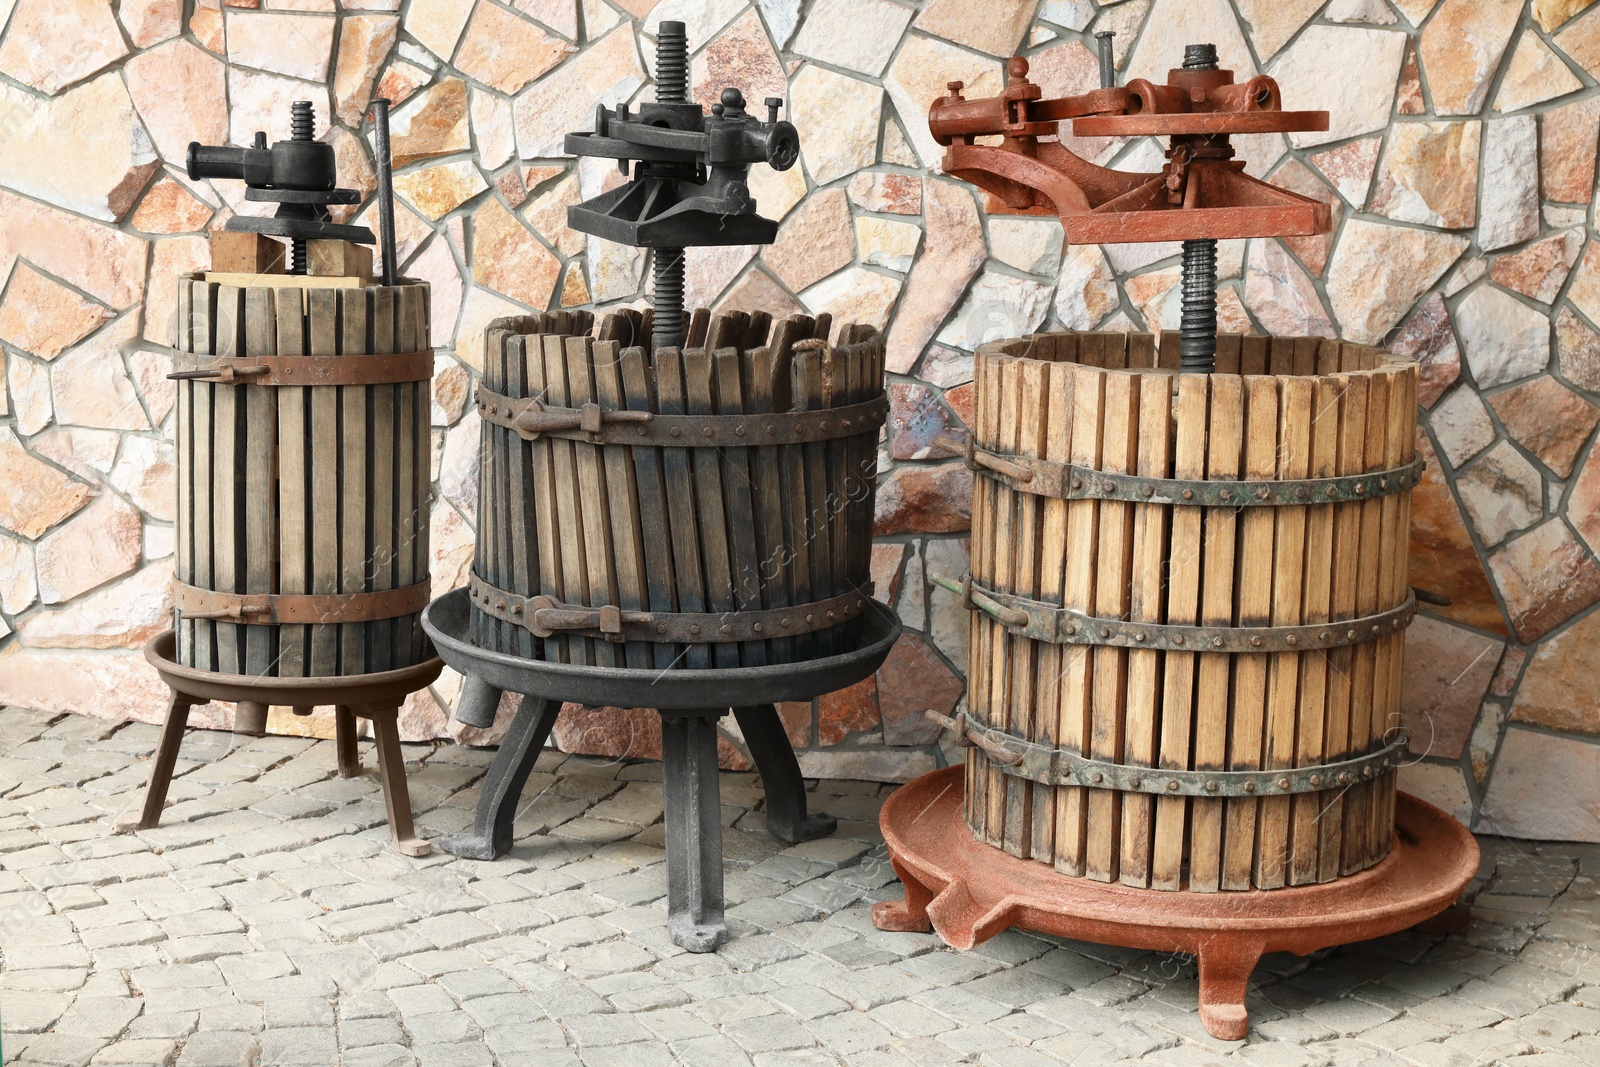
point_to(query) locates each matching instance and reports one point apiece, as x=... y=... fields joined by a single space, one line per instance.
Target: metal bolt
x=1249 y=787
x=1316 y=779
x=1283 y=783
x=1133 y=782
x=1291 y=640
x=694 y=630
x=1224 y=494
x=1188 y=494
x=1255 y=642
x=1211 y=787
x=1177 y=639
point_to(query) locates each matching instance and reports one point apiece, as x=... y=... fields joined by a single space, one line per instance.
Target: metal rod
x=380 y=137
x=1108 y=63
x=668 y=327
x=1197 y=325
x=302 y=125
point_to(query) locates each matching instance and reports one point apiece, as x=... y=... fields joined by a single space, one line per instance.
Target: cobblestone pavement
x=266 y=922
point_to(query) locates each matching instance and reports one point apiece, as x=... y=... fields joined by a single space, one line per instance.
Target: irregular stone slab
x=547 y=214
x=758 y=291
x=1441 y=784
x=1535 y=74
x=1443 y=557
x=438 y=190
x=1583 y=503
x=1557 y=690
x=100 y=543
x=294 y=45
x=34 y=496
x=564 y=100
x=1502 y=493
x=493 y=129
x=1447 y=674
x=1541 y=269
x=1461 y=425
x=998 y=306
x=854 y=295
x=848 y=711
x=924 y=499
x=858 y=35
x=1544 y=787
x=480 y=308
x=126 y=614
x=169 y=207
x=364 y=43
x=1510 y=208
x=259 y=101
x=1314 y=249
x=178 y=89
x=917 y=420
x=886 y=243
x=1552 y=13
x=707 y=271
x=952 y=254
x=914 y=678
x=508 y=258
x=30 y=394
x=1580 y=39
x=505 y=51
x=1504 y=339
x=1545 y=578
x=813 y=242
x=43 y=317
x=1585 y=290
x=112 y=684
x=996 y=27
x=1086 y=292
x=146 y=474
x=1567 y=153
x=1280 y=294
x=1378 y=271
x=434 y=123
x=84 y=150
x=701 y=18
x=1349 y=72
x=1461 y=49
x=838 y=119
x=889 y=192
x=438 y=24
x=1577 y=351
x=1547 y=419
x=1428 y=339
x=91 y=387
x=1173 y=24
x=52 y=43
x=1273 y=22
x=1031 y=245
x=1430 y=174
x=1408 y=99
x=739 y=56
x=149 y=22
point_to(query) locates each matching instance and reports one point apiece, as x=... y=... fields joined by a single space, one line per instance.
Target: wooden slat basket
x=695 y=508
x=1181 y=574
x=302 y=532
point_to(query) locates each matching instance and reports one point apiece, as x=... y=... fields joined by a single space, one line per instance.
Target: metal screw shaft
x=1197 y=326
x=668 y=325
x=302 y=125
x=672 y=64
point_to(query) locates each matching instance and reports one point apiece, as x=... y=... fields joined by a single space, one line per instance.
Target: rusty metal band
x=1041 y=621
x=532 y=418
x=1067 y=481
x=1021 y=758
x=379 y=369
x=544 y=616
x=269 y=609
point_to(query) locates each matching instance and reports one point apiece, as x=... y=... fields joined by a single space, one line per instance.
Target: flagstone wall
x=1460 y=162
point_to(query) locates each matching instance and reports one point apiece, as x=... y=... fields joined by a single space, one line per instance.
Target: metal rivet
x=784 y=622
x=642 y=431
x=1111 y=487
x=1224 y=494
x=1375 y=630
x=709 y=431
x=1188 y=494
x=1300 y=492
x=1173 y=785
x=1072 y=629
x=676 y=431
x=1332 y=491
x=661 y=627
x=1261 y=494
x=756 y=626
x=809 y=616
x=1383 y=483
x=1344 y=777
x=1350 y=635
x=1177 y=639
x=1316 y=779
x=1291 y=640
x=1283 y=783
x=1255 y=642
x=726 y=628
x=1249 y=787
x=738 y=431
x=771 y=429
x=1216 y=642
x=1211 y=787
x=1361 y=487
x=694 y=630
x=1099 y=777
x=1077 y=483
x=1133 y=783
x=1105 y=631
x=1149 y=490
x=1139 y=636
x=1325 y=636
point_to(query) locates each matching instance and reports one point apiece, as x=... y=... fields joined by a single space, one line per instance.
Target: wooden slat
x=1364 y=659
x=354 y=463
x=622 y=495
x=1150 y=552
x=737 y=484
x=1228 y=345
x=226 y=505
x=767 y=478
x=682 y=522
x=981 y=637
x=1253 y=354
x=386 y=335
x=294 y=485
x=1341 y=661
x=260 y=461
x=540 y=350
x=1113 y=571
x=660 y=579
x=1212 y=708
x=1182 y=609
x=709 y=506
x=568 y=497
x=1254 y=567
x=1002 y=523
x=1279 y=739
x=1023 y=711
x=806 y=389
x=1075 y=729
x=593 y=508
x=1306 y=809
x=183 y=565
x=1057 y=408
x=322 y=313
x=1400 y=415
x=504 y=470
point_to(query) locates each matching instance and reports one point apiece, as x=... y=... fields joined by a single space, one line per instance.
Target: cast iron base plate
x=968 y=891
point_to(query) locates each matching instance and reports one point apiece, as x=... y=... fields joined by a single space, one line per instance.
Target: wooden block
x=339 y=259
x=280 y=281
x=246 y=253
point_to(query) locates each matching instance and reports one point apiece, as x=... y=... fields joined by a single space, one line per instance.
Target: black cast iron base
x=690 y=703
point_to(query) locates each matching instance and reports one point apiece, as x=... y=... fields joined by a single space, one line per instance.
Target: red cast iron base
x=968 y=891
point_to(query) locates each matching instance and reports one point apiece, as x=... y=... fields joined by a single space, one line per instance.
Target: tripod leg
x=166 y=758
x=490 y=835
x=692 y=794
x=780 y=777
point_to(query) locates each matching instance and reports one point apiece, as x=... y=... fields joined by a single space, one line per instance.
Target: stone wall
x=1460 y=162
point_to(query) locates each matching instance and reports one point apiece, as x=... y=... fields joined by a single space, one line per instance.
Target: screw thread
x=672 y=64
x=302 y=120
x=668 y=327
x=1197 y=327
x=1200 y=57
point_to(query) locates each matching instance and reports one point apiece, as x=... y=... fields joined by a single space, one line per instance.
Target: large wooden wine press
x=1188 y=586
x=676 y=510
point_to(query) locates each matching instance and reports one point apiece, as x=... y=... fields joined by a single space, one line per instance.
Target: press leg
x=490 y=835
x=344 y=741
x=250 y=719
x=780 y=777
x=166 y=758
x=392 y=772
x=909 y=915
x=478 y=703
x=693 y=802
x=1225 y=966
